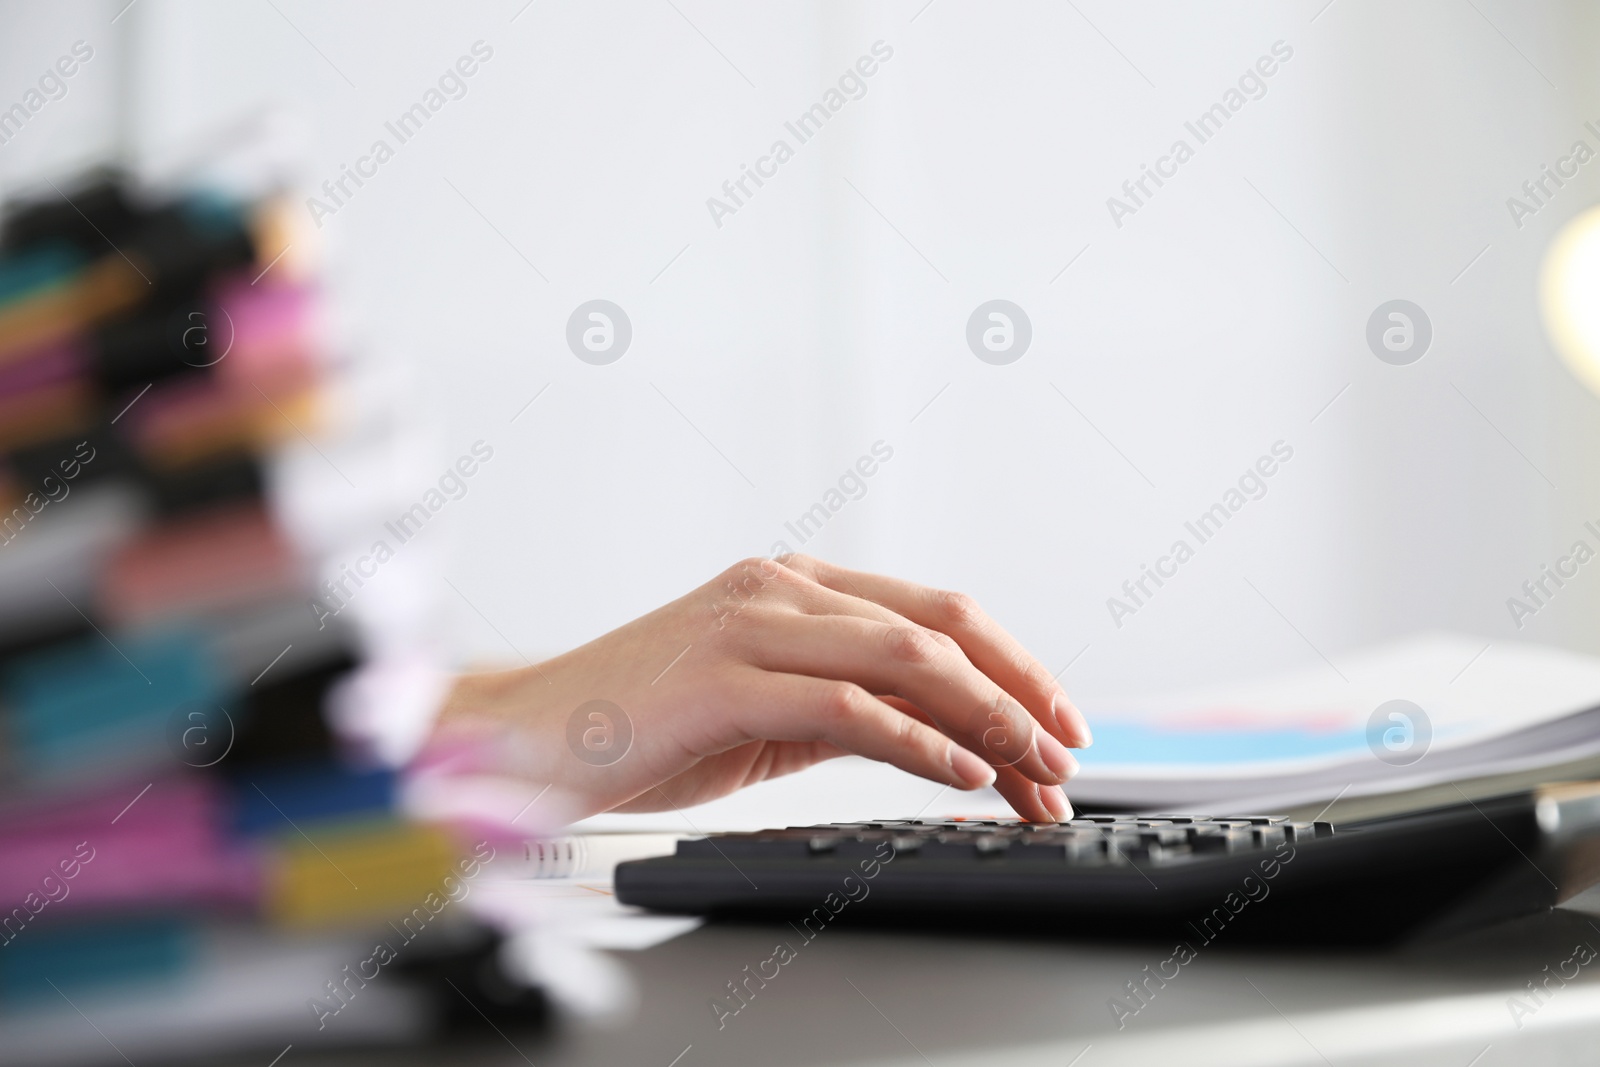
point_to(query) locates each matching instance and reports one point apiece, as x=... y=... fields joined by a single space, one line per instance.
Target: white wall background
x=822 y=317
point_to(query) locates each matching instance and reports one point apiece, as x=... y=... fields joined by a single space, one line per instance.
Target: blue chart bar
x=1153 y=743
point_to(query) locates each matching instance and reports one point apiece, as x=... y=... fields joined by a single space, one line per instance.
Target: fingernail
x=970 y=771
x=1055 y=801
x=1071 y=720
x=1055 y=756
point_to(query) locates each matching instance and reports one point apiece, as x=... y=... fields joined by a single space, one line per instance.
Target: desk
x=861 y=997
x=857 y=997
x=945 y=999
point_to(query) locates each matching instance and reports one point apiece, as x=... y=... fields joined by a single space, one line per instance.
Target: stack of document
x=191 y=862
x=1428 y=719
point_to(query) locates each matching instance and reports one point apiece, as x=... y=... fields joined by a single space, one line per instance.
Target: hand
x=771 y=667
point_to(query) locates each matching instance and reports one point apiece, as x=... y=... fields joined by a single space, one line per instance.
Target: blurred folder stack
x=180 y=832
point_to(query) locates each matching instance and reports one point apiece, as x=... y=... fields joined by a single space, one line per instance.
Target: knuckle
x=907 y=732
x=745 y=579
x=738 y=593
x=799 y=561
x=840 y=701
x=910 y=645
x=783 y=583
x=748 y=569
x=1035 y=676
x=956 y=609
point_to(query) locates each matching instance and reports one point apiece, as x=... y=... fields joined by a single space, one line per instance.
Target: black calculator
x=1257 y=877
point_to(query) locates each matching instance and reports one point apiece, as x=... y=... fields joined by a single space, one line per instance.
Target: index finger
x=990 y=648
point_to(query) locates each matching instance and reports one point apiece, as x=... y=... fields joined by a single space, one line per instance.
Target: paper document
x=1471 y=709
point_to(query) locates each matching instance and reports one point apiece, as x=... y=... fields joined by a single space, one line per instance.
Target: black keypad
x=1088 y=840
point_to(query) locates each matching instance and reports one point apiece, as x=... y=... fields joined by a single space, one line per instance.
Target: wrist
x=487 y=701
